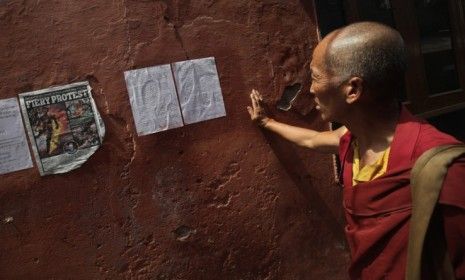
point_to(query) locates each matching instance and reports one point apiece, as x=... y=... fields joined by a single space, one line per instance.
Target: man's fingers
x=250 y=110
x=259 y=96
x=253 y=99
x=251 y=96
x=255 y=102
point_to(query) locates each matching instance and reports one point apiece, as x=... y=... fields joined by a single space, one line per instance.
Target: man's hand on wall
x=257 y=111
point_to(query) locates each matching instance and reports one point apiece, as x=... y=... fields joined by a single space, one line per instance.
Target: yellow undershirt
x=368 y=172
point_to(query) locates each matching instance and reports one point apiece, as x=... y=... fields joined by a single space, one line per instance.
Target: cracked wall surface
x=213 y=200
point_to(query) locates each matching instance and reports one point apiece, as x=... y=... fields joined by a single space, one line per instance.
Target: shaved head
x=372 y=51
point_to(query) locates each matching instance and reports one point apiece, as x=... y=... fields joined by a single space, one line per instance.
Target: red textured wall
x=213 y=200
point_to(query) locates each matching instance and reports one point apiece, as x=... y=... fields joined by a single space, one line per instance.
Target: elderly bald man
x=357 y=72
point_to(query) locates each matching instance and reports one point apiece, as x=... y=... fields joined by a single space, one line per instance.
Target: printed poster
x=14 y=150
x=63 y=125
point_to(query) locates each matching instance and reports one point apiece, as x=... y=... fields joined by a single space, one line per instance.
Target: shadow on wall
x=300 y=176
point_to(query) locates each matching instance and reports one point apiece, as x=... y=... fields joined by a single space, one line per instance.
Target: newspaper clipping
x=63 y=125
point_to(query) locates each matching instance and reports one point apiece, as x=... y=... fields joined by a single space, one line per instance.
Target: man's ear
x=354 y=89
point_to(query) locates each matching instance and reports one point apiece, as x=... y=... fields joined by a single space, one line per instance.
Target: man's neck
x=374 y=127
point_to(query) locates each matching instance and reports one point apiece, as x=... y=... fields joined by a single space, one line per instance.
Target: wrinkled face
x=326 y=87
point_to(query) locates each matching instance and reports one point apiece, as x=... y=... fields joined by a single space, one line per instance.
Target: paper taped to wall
x=63 y=125
x=154 y=103
x=199 y=90
x=14 y=151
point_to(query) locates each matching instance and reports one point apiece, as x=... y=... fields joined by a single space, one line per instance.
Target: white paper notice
x=14 y=151
x=199 y=90
x=153 y=98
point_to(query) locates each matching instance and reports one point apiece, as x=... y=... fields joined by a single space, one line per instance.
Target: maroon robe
x=378 y=212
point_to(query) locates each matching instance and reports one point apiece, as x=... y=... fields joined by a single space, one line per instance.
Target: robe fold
x=378 y=212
